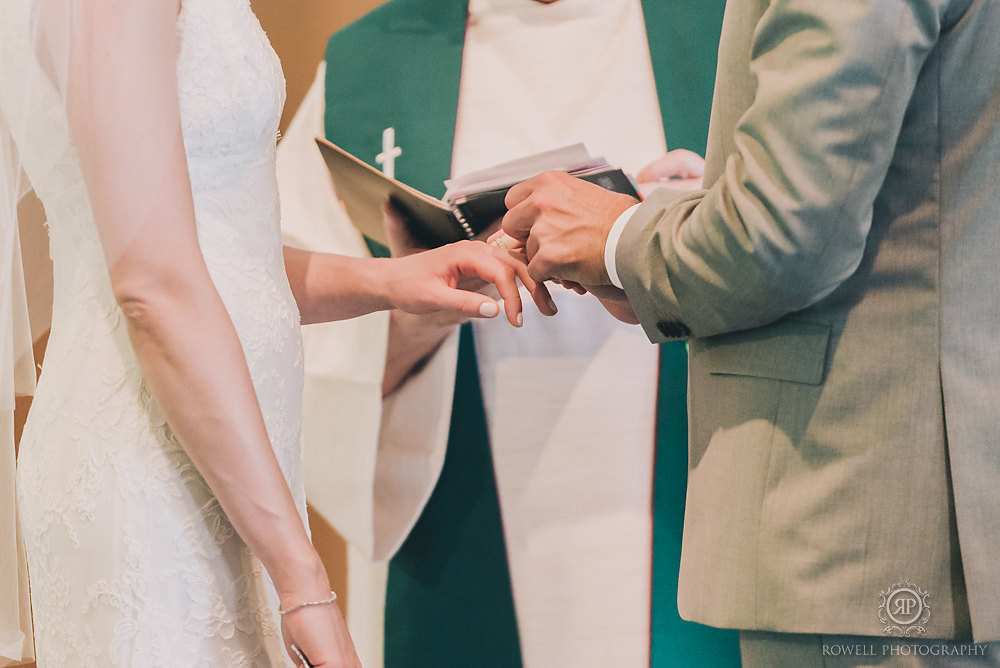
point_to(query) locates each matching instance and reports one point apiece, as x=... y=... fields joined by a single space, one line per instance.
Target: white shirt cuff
x=611 y=245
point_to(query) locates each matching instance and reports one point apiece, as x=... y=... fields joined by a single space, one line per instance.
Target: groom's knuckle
x=548 y=178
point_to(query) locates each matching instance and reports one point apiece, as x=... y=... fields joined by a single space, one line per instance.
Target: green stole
x=449 y=600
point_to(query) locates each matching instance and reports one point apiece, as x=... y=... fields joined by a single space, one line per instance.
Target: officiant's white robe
x=570 y=401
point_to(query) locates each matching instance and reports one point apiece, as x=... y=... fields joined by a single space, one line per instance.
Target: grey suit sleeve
x=786 y=222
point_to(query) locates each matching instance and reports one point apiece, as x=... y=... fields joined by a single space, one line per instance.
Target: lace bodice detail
x=230 y=82
x=132 y=560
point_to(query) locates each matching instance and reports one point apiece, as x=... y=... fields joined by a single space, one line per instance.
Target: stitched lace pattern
x=132 y=560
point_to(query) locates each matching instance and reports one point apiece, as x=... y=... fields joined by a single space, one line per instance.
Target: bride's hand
x=320 y=634
x=485 y=271
x=445 y=279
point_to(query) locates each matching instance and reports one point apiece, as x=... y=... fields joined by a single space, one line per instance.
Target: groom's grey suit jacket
x=839 y=282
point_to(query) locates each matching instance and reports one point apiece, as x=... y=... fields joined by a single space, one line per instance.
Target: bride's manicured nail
x=520 y=319
x=489 y=309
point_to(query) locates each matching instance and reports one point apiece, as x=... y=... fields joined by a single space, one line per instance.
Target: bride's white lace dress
x=132 y=561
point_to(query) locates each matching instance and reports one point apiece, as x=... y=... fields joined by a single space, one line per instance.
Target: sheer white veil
x=32 y=32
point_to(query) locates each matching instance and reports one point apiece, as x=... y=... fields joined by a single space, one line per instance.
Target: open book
x=472 y=203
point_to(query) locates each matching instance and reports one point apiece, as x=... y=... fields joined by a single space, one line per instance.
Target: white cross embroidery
x=387 y=158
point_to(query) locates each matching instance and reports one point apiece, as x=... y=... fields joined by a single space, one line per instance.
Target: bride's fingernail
x=488 y=309
x=520 y=319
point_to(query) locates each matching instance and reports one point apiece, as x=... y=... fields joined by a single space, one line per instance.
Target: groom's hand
x=614 y=302
x=563 y=224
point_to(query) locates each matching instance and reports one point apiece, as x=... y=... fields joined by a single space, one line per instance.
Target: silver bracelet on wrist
x=293 y=608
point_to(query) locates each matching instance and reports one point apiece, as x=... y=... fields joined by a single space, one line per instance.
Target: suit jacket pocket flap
x=793 y=350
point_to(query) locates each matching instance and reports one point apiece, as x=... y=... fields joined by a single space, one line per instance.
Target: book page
x=565 y=159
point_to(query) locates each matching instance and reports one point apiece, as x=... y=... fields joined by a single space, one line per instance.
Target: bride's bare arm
x=125 y=119
x=442 y=281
